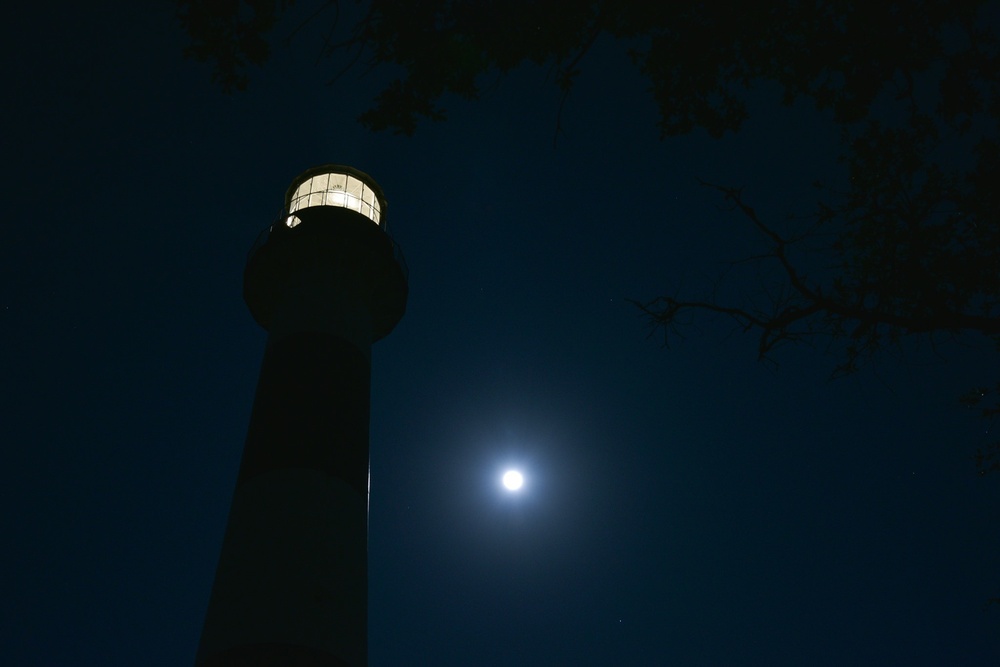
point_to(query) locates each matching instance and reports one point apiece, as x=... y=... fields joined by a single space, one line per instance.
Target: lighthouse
x=325 y=281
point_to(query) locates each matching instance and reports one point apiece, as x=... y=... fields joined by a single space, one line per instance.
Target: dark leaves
x=699 y=56
x=229 y=34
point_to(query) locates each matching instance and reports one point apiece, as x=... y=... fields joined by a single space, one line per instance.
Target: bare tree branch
x=808 y=311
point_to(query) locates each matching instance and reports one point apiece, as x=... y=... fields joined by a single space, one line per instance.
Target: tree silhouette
x=699 y=56
x=914 y=86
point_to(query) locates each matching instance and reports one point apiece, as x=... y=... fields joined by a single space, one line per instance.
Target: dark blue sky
x=687 y=506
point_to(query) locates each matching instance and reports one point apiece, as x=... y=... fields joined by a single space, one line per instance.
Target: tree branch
x=805 y=311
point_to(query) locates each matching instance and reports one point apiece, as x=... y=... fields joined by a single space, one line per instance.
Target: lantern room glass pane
x=354 y=187
x=319 y=183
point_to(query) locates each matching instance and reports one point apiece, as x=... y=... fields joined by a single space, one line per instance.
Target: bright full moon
x=513 y=480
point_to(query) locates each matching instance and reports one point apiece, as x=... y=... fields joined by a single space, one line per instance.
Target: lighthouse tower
x=325 y=281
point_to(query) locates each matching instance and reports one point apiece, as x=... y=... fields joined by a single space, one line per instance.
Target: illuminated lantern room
x=334 y=185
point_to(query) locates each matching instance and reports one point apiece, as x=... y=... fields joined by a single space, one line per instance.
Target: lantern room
x=334 y=185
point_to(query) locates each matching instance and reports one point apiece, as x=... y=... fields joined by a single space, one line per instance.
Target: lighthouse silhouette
x=326 y=281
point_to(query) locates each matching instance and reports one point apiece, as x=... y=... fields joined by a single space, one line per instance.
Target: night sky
x=682 y=506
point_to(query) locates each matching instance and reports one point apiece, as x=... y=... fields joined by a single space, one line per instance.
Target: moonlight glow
x=513 y=480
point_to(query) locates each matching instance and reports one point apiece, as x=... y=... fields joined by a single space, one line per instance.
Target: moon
x=513 y=480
